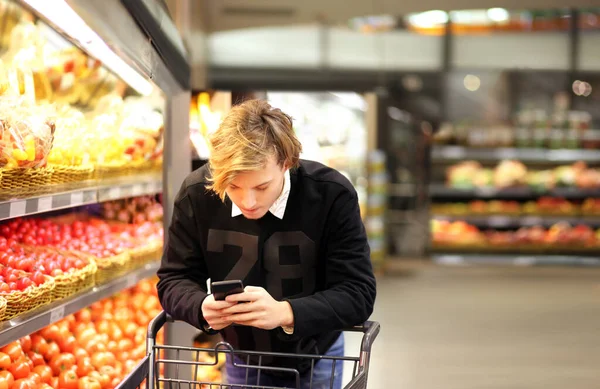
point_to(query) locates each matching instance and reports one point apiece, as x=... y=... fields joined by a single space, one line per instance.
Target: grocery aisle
x=492 y=328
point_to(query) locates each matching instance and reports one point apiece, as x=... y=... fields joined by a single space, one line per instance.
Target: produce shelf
x=85 y=193
x=33 y=321
x=510 y=221
x=525 y=155
x=517 y=260
x=441 y=191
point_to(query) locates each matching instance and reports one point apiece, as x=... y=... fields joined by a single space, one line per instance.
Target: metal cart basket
x=146 y=375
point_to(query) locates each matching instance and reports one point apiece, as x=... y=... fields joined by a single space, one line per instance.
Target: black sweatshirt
x=316 y=257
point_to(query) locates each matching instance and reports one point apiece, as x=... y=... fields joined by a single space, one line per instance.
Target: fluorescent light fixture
x=428 y=19
x=62 y=15
x=498 y=14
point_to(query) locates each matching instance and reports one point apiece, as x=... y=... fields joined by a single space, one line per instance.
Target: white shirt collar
x=278 y=207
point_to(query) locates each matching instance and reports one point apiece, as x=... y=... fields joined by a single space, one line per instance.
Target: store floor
x=487 y=328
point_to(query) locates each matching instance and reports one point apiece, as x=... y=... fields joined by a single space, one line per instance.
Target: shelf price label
x=44 y=204
x=77 y=198
x=499 y=221
x=57 y=314
x=18 y=208
x=525 y=261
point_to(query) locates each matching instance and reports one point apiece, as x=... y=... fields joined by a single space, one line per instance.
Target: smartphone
x=222 y=289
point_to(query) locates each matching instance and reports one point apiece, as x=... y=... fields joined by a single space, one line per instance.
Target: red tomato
x=68 y=380
x=39 y=344
x=51 y=333
x=84 y=366
x=53 y=350
x=7 y=377
x=80 y=353
x=102 y=378
x=4 y=361
x=89 y=383
x=13 y=350
x=62 y=362
x=45 y=373
x=35 y=378
x=20 y=369
x=67 y=344
x=23 y=384
x=35 y=358
x=25 y=343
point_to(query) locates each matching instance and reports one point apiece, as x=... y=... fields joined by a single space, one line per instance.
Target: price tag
x=77 y=198
x=44 y=204
x=114 y=193
x=524 y=261
x=486 y=191
x=57 y=314
x=454 y=152
x=132 y=280
x=531 y=220
x=18 y=208
x=506 y=153
x=498 y=221
x=137 y=190
x=451 y=260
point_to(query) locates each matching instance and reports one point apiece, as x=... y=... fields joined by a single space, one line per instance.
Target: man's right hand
x=211 y=310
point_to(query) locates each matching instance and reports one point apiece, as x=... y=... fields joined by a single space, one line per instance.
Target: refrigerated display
x=86 y=120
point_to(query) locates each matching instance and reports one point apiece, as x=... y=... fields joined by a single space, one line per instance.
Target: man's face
x=255 y=191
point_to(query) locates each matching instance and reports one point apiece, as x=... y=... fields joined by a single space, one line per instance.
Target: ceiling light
x=65 y=18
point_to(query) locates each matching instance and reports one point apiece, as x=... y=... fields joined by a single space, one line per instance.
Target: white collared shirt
x=278 y=207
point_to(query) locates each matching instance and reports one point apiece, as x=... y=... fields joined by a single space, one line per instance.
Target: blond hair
x=248 y=136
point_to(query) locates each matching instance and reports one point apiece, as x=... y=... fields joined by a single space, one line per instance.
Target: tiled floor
x=487 y=328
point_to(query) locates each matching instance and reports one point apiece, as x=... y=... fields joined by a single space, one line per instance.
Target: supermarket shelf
x=83 y=194
x=516 y=260
x=46 y=315
x=506 y=221
x=440 y=191
x=402 y=190
x=546 y=156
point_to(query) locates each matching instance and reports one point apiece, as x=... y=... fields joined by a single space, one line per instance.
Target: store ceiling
x=220 y=15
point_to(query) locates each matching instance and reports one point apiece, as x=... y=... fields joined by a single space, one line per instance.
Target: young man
x=289 y=229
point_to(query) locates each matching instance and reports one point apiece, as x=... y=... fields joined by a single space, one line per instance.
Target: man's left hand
x=258 y=310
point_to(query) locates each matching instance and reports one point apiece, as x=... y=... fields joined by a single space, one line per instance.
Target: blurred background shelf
x=516 y=259
x=510 y=221
x=440 y=191
x=526 y=155
x=81 y=194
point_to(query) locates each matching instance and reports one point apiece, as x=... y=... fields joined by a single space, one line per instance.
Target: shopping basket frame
x=145 y=370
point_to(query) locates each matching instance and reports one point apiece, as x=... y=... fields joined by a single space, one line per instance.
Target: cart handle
x=370 y=329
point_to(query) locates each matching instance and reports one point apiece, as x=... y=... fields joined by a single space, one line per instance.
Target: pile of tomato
x=94 y=349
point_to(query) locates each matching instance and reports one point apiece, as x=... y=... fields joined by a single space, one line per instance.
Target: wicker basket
x=2 y=308
x=146 y=253
x=105 y=171
x=19 y=302
x=73 y=281
x=64 y=174
x=25 y=182
x=111 y=267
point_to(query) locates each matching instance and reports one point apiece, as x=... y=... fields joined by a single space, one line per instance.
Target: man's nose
x=249 y=200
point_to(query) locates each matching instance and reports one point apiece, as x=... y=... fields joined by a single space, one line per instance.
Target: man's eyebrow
x=264 y=183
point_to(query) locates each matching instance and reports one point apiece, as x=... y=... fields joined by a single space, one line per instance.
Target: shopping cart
x=187 y=360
